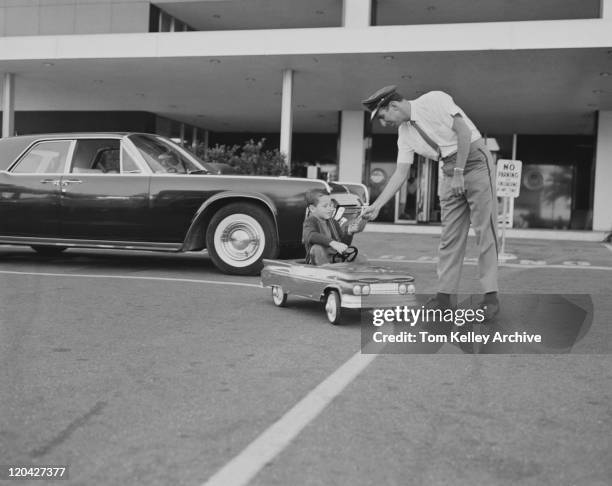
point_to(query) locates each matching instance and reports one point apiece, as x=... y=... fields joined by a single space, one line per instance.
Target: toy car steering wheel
x=347 y=255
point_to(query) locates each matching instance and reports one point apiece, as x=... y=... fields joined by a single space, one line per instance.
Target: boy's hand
x=338 y=246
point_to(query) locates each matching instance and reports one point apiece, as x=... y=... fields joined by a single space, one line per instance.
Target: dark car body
x=219 y=168
x=141 y=191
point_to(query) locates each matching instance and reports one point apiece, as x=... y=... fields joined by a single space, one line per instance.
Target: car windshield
x=162 y=156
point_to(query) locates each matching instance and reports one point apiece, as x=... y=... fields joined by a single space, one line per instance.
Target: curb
x=534 y=234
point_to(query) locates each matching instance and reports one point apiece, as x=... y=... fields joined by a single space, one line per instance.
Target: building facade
x=536 y=77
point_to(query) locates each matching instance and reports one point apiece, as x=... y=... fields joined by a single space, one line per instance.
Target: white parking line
x=574 y=266
x=245 y=466
x=131 y=277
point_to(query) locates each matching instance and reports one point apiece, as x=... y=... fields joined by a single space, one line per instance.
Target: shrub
x=251 y=158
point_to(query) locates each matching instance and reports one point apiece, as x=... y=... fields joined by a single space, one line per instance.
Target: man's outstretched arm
x=394 y=184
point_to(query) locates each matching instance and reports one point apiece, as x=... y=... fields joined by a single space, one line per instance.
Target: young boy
x=323 y=237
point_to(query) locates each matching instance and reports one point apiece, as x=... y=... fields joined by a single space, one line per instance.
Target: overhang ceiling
x=255 y=14
x=285 y=14
x=400 y=12
x=535 y=91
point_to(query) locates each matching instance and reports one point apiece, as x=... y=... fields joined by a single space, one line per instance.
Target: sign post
x=508 y=186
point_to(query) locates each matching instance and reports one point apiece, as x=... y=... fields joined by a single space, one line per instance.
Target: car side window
x=128 y=164
x=162 y=157
x=96 y=156
x=48 y=157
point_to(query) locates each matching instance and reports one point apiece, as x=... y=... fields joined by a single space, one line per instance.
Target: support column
x=351 y=149
x=605 y=11
x=194 y=139
x=287 y=116
x=205 y=141
x=602 y=200
x=182 y=134
x=8 y=105
x=356 y=13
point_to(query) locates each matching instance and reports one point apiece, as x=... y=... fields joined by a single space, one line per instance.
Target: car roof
x=35 y=136
x=12 y=147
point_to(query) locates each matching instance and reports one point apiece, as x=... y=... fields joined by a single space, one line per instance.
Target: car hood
x=367 y=272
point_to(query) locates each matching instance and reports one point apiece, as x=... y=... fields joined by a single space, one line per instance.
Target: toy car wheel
x=332 y=306
x=239 y=236
x=279 y=297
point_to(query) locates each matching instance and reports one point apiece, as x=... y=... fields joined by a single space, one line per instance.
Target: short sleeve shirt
x=433 y=112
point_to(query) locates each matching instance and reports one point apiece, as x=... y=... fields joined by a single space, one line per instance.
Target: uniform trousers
x=478 y=206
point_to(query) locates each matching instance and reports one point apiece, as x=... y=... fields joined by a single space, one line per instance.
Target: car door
x=176 y=190
x=105 y=194
x=30 y=190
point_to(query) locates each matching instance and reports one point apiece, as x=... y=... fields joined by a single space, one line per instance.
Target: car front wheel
x=279 y=296
x=333 y=306
x=239 y=237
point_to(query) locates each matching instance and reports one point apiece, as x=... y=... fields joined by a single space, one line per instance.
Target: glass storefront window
x=545 y=200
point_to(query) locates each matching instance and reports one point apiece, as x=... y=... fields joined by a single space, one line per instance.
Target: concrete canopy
x=550 y=82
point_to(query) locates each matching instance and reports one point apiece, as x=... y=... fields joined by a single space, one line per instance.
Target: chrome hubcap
x=330 y=307
x=277 y=294
x=240 y=240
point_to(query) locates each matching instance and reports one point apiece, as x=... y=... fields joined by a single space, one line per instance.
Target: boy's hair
x=313 y=196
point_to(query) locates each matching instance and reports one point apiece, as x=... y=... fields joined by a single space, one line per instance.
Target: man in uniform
x=433 y=126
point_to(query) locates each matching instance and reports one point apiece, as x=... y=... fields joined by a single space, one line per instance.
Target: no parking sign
x=508 y=187
x=509 y=177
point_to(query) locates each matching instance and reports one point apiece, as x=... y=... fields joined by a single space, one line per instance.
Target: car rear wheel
x=332 y=307
x=239 y=237
x=279 y=297
x=48 y=250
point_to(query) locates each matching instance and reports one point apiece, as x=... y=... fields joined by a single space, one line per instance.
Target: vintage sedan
x=143 y=192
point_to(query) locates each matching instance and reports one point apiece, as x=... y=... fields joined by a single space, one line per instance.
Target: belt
x=475 y=145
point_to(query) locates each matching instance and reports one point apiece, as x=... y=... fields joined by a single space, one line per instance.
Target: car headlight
x=365 y=290
x=357 y=290
x=411 y=289
x=402 y=288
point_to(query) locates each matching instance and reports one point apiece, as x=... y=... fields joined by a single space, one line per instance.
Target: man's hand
x=370 y=213
x=356 y=226
x=338 y=246
x=458 y=183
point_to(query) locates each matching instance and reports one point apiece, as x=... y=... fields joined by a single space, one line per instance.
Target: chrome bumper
x=374 y=301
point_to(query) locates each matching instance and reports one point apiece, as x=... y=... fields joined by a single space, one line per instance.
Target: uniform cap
x=379 y=100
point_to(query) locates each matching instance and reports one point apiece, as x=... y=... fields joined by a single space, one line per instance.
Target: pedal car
x=339 y=285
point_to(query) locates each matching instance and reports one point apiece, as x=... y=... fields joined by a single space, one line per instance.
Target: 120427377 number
x=26 y=471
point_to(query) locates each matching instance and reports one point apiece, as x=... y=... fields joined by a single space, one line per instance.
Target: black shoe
x=439 y=301
x=490 y=310
x=442 y=303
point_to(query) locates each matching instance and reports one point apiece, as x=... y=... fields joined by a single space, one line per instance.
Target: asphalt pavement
x=141 y=368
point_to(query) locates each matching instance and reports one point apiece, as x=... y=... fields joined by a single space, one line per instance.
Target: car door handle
x=55 y=182
x=71 y=181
